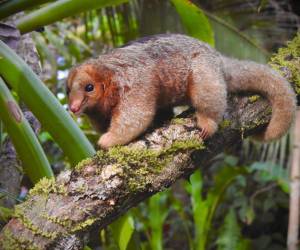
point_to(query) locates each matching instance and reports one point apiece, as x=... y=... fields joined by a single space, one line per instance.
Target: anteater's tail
x=250 y=76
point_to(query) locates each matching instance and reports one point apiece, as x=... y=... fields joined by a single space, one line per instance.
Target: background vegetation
x=241 y=202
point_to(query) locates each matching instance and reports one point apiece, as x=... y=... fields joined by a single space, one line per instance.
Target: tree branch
x=57 y=214
x=104 y=187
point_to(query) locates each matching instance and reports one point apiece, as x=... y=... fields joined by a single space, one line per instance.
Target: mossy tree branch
x=57 y=214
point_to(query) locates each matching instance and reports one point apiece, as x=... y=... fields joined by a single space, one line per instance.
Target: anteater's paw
x=106 y=141
x=207 y=125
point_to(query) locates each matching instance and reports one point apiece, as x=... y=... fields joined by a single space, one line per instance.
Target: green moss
x=268 y=111
x=138 y=164
x=10 y=242
x=83 y=187
x=83 y=163
x=126 y=156
x=83 y=225
x=69 y=224
x=178 y=121
x=47 y=186
x=289 y=57
x=254 y=98
x=257 y=122
x=183 y=145
x=64 y=222
x=148 y=158
x=33 y=228
x=224 y=124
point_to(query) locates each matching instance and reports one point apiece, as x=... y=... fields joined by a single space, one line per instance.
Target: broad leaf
x=122 y=231
x=232 y=42
x=9 y=7
x=34 y=160
x=268 y=171
x=230 y=235
x=58 y=10
x=194 y=21
x=204 y=209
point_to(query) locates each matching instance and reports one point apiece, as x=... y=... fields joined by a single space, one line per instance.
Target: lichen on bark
x=287 y=62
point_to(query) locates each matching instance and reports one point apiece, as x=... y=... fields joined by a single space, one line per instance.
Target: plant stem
x=14 y=6
x=34 y=160
x=59 y=10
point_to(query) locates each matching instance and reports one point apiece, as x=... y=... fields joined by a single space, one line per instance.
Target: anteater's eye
x=89 y=87
x=68 y=90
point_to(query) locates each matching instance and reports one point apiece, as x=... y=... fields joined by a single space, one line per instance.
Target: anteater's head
x=87 y=87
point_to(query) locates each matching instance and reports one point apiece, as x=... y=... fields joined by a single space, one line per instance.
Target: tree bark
x=59 y=213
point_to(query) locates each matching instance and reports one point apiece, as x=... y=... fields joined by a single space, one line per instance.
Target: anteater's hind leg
x=207 y=91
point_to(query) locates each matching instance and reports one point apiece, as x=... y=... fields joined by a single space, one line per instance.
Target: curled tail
x=250 y=76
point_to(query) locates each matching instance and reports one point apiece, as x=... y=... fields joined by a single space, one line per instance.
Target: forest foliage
x=236 y=204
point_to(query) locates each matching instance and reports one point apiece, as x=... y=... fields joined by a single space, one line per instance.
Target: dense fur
x=133 y=82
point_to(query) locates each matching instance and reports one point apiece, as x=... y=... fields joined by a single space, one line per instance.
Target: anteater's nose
x=75 y=107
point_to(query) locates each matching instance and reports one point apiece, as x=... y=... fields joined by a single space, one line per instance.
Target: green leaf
x=204 y=209
x=244 y=244
x=178 y=204
x=268 y=171
x=231 y=160
x=262 y=4
x=3 y=135
x=122 y=231
x=230 y=235
x=230 y=232
x=5 y=214
x=249 y=215
x=216 y=32
x=53 y=117
x=58 y=42
x=13 y=6
x=77 y=40
x=87 y=248
x=45 y=53
x=158 y=212
x=230 y=41
x=194 y=21
x=58 y=10
x=34 y=160
x=200 y=210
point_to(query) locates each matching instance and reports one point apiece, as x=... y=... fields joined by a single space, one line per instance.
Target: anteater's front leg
x=131 y=117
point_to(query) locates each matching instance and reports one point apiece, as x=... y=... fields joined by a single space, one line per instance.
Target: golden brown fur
x=131 y=83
